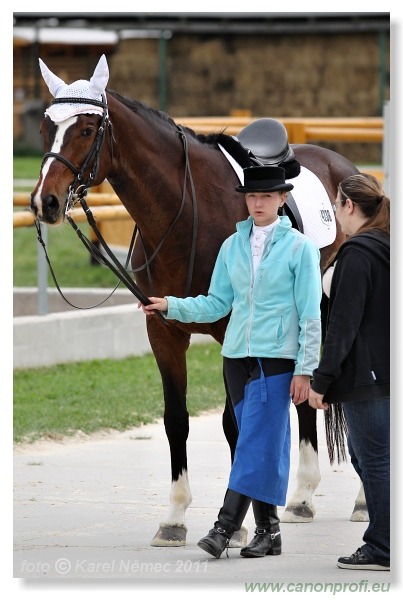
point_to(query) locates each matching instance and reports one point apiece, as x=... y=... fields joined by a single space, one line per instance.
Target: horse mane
x=228 y=142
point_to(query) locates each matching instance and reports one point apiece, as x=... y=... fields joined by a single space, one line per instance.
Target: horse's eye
x=87 y=132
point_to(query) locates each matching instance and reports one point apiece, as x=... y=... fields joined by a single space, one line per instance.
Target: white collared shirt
x=258 y=238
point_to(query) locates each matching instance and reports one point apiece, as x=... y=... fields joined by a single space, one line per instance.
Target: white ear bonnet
x=92 y=90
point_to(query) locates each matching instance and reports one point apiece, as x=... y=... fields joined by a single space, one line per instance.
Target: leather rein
x=77 y=193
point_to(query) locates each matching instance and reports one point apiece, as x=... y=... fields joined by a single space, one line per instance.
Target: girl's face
x=263 y=206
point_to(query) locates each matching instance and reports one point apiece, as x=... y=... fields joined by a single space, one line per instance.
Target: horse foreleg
x=169 y=346
x=172 y=530
x=300 y=508
x=360 y=510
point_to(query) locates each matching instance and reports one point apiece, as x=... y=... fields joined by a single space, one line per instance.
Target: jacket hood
x=374 y=242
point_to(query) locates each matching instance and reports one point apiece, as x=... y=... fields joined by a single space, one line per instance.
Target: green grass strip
x=96 y=395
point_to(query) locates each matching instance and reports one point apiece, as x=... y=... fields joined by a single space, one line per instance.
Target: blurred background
x=212 y=64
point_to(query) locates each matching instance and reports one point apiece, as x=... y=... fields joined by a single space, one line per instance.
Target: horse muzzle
x=48 y=209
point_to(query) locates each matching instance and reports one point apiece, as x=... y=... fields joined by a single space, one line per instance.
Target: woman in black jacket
x=355 y=365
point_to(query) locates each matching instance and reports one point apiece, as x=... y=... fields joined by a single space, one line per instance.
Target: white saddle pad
x=313 y=204
x=315 y=208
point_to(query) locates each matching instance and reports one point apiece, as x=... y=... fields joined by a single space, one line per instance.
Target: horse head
x=73 y=132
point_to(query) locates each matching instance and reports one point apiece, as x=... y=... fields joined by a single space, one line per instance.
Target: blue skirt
x=262 y=410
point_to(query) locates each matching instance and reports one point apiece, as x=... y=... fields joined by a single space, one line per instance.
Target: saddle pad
x=312 y=201
x=315 y=208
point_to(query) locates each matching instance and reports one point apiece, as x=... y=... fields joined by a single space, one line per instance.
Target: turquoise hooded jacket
x=276 y=314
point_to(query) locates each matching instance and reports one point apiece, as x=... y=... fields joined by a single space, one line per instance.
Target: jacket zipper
x=250 y=301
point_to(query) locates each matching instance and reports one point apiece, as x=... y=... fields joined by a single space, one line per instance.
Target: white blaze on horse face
x=57 y=144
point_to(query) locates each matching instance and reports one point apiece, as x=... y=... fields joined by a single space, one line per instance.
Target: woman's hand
x=299 y=388
x=316 y=400
x=160 y=304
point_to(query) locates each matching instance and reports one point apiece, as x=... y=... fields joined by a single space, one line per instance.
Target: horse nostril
x=50 y=203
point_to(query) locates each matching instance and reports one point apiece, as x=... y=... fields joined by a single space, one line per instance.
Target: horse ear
x=53 y=82
x=100 y=78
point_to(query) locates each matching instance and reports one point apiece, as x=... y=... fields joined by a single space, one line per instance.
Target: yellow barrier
x=25 y=218
x=93 y=199
x=342 y=134
x=300 y=131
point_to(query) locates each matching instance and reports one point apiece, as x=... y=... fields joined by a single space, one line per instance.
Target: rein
x=188 y=174
x=79 y=193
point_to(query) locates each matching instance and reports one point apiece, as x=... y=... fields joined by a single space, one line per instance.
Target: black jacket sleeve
x=351 y=286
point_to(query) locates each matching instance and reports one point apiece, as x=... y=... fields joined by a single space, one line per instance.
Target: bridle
x=78 y=191
x=79 y=186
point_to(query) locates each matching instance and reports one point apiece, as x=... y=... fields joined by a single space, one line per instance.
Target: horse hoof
x=239 y=539
x=360 y=513
x=170 y=535
x=298 y=514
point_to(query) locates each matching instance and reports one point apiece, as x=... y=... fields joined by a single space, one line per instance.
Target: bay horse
x=179 y=188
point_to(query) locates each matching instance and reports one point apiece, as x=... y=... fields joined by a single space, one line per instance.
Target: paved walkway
x=88 y=509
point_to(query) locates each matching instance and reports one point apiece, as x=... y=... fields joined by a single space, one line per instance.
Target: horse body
x=145 y=157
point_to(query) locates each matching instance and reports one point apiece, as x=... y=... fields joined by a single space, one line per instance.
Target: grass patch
x=26 y=167
x=91 y=396
x=69 y=258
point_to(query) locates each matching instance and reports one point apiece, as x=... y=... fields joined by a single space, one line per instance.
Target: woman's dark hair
x=367 y=193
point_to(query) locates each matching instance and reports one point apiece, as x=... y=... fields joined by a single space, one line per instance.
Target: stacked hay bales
x=295 y=76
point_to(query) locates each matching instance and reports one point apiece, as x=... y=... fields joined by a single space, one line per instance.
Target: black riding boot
x=267 y=538
x=229 y=520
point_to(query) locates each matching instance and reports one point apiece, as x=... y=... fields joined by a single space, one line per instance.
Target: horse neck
x=147 y=154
